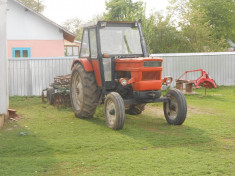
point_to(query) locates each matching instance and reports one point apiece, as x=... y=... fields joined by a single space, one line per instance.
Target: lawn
x=49 y=141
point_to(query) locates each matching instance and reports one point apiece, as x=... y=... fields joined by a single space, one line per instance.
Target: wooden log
x=179 y=86
x=189 y=88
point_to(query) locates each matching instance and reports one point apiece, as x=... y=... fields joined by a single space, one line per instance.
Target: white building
x=4 y=95
x=31 y=34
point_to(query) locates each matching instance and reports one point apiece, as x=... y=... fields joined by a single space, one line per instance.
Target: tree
x=220 y=16
x=165 y=37
x=160 y=34
x=36 y=5
x=75 y=26
x=127 y=10
x=201 y=36
x=206 y=24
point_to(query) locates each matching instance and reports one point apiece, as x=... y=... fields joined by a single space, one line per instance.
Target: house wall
x=39 y=48
x=26 y=29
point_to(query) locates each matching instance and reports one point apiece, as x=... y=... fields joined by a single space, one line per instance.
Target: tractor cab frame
x=101 y=50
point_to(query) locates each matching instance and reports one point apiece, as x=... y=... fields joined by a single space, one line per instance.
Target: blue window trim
x=21 y=51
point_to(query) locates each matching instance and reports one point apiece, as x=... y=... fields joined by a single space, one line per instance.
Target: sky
x=61 y=10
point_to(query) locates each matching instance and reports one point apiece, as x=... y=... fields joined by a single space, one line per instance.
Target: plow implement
x=202 y=81
x=58 y=94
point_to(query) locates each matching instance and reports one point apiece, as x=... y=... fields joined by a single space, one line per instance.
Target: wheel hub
x=77 y=87
x=172 y=110
x=111 y=115
x=112 y=112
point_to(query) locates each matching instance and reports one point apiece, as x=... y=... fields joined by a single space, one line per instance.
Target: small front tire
x=114 y=111
x=176 y=114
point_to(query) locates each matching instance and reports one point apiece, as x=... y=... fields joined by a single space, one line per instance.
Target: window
x=93 y=43
x=71 y=50
x=85 y=50
x=21 y=52
x=120 y=40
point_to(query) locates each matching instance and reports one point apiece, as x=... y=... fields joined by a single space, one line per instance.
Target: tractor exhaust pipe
x=142 y=41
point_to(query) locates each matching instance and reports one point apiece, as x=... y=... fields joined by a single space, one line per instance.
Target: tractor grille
x=151 y=75
x=152 y=64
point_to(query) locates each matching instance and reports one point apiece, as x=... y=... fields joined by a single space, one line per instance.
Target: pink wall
x=39 y=48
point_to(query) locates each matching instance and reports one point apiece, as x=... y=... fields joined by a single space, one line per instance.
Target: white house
x=31 y=34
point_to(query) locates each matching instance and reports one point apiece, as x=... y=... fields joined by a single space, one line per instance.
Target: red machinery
x=203 y=81
x=114 y=68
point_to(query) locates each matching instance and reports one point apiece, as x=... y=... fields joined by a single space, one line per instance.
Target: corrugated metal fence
x=220 y=66
x=29 y=76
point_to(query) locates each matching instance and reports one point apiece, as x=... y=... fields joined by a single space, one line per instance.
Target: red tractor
x=114 y=68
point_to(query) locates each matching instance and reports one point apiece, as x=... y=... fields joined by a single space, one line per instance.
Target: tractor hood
x=135 y=64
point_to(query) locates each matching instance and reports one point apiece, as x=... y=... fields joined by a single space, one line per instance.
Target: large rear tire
x=176 y=114
x=83 y=92
x=135 y=109
x=114 y=111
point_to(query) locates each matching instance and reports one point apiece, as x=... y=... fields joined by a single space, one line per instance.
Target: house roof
x=67 y=34
x=75 y=43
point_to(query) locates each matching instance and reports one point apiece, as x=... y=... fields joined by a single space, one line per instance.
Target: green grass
x=57 y=143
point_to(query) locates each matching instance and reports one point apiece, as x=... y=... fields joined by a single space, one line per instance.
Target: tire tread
x=182 y=106
x=89 y=103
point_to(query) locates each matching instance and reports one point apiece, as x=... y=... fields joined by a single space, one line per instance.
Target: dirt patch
x=153 y=110
x=158 y=111
x=16 y=118
x=11 y=128
x=12 y=122
x=192 y=110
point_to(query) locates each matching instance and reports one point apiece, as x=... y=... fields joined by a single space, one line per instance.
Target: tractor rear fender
x=85 y=63
x=202 y=80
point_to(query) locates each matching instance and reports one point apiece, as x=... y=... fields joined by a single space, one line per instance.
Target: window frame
x=90 y=46
x=83 y=37
x=21 y=49
x=72 y=46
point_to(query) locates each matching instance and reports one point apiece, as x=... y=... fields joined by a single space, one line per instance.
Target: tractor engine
x=140 y=78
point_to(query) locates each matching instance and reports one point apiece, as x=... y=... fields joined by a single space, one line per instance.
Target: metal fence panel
x=29 y=76
x=220 y=66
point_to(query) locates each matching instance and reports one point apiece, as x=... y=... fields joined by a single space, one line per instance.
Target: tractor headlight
x=123 y=81
x=168 y=80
